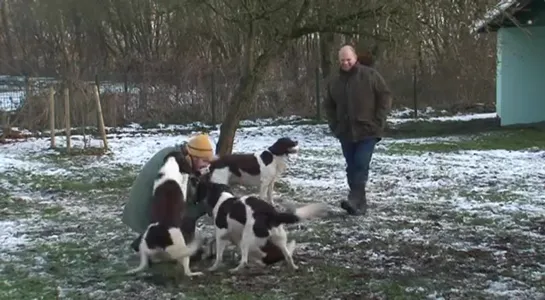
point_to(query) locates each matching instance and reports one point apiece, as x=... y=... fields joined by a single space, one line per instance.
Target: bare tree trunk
x=326 y=46
x=253 y=73
x=242 y=97
x=4 y=8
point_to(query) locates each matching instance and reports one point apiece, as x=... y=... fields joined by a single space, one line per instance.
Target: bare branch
x=300 y=15
x=334 y=25
x=218 y=13
x=265 y=13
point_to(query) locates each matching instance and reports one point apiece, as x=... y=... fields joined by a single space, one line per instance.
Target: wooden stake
x=52 y=115
x=5 y=127
x=28 y=100
x=100 y=117
x=67 y=118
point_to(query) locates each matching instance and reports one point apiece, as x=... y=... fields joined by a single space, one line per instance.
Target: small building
x=520 y=73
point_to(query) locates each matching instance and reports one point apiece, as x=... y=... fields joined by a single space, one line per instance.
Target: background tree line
x=215 y=60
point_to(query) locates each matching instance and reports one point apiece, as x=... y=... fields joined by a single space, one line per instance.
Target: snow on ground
x=8 y=238
x=460 y=117
x=397 y=117
x=453 y=225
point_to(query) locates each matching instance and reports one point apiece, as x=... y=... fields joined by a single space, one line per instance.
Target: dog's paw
x=291 y=246
x=235 y=270
x=155 y=259
x=261 y=263
x=213 y=268
x=192 y=274
x=131 y=272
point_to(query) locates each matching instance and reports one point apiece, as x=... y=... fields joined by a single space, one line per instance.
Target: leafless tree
x=189 y=60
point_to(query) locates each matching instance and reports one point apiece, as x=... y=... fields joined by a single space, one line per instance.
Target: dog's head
x=284 y=146
x=202 y=191
x=209 y=192
x=201 y=187
x=184 y=164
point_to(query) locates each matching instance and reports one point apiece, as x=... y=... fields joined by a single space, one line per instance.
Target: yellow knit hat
x=200 y=146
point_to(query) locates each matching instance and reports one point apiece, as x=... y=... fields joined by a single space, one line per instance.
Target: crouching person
x=137 y=212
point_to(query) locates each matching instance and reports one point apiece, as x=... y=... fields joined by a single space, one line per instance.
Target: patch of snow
x=460 y=117
x=510 y=288
x=10 y=238
x=16 y=161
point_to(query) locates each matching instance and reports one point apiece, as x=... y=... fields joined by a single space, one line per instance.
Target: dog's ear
x=181 y=159
x=283 y=146
x=201 y=190
x=224 y=188
x=205 y=177
x=169 y=155
x=177 y=155
x=185 y=166
x=194 y=181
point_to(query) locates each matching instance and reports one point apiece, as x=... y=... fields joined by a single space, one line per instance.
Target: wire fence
x=154 y=97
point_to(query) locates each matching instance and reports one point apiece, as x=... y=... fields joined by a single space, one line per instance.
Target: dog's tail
x=180 y=249
x=301 y=213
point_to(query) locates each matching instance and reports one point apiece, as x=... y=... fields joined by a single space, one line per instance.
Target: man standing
x=357 y=104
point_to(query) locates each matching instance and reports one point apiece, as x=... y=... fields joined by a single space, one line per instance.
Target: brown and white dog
x=262 y=168
x=252 y=224
x=164 y=234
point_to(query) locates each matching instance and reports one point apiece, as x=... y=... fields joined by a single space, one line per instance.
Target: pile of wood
x=9 y=135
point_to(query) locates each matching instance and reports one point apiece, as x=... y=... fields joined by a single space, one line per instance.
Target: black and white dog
x=252 y=224
x=261 y=169
x=164 y=234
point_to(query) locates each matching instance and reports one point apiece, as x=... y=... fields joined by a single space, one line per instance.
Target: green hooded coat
x=136 y=213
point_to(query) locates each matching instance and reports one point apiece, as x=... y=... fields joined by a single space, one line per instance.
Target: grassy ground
x=419 y=240
x=506 y=139
x=416 y=129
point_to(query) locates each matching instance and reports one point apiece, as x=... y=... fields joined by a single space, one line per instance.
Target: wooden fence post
x=28 y=97
x=67 y=118
x=5 y=126
x=318 y=96
x=52 y=115
x=101 y=126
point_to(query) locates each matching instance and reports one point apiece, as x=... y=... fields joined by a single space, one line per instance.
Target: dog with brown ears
x=252 y=224
x=261 y=169
x=164 y=235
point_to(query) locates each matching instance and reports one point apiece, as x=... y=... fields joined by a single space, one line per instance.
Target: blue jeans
x=358 y=158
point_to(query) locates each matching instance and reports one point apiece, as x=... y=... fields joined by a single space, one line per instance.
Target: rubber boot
x=350 y=205
x=356 y=204
x=361 y=200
